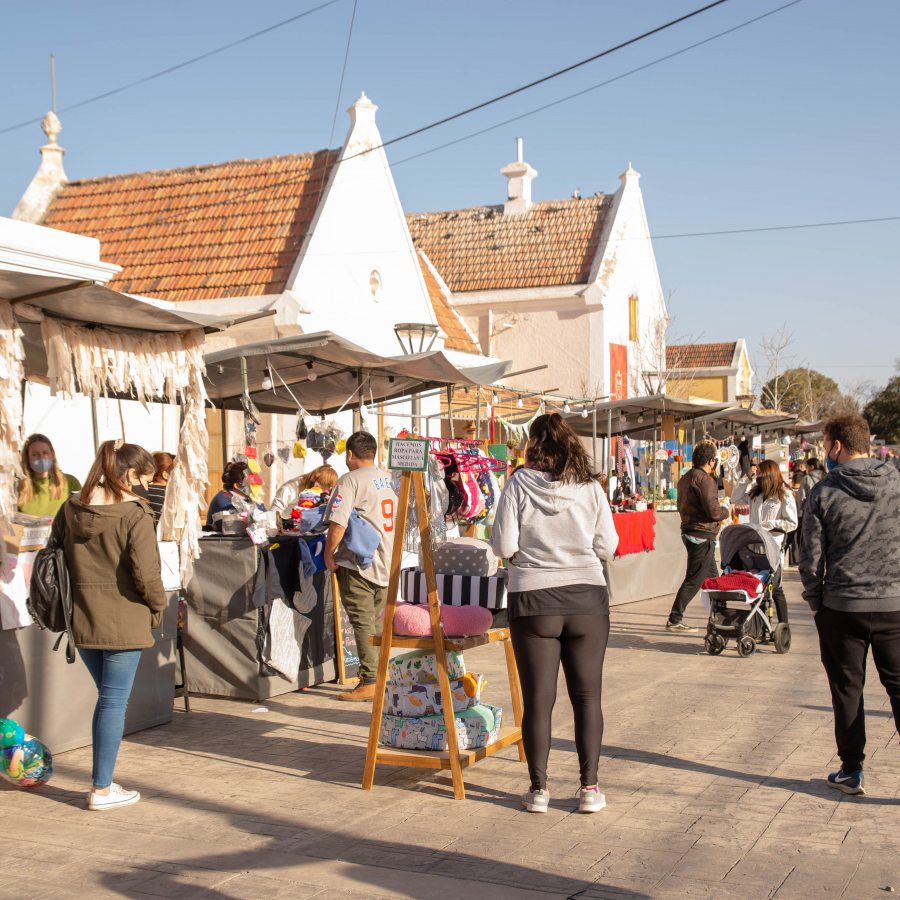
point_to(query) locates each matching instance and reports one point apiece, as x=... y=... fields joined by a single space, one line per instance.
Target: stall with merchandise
x=263 y=616
x=650 y=559
x=88 y=339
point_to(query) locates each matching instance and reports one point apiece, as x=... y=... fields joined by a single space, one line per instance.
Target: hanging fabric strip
x=12 y=372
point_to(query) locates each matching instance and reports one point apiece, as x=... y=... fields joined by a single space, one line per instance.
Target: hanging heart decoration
x=284 y=454
x=268 y=459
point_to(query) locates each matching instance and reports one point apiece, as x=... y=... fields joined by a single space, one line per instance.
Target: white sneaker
x=117 y=796
x=536 y=801
x=590 y=800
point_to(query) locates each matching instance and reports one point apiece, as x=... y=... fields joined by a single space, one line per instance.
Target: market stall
x=74 y=338
x=650 y=559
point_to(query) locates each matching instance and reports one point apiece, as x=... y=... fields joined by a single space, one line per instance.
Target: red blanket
x=736 y=581
x=636 y=531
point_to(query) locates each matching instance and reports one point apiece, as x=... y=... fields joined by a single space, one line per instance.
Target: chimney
x=519 y=175
x=49 y=179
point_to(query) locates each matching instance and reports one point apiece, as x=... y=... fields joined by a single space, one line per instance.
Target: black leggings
x=540 y=642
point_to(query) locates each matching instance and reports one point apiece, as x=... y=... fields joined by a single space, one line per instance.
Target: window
x=633 y=318
x=375 y=284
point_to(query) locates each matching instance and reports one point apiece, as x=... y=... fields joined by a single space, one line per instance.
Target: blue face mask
x=831 y=464
x=41 y=466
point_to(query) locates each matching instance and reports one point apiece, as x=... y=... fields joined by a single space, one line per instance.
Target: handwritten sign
x=662 y=455
x=498 y=451
x=409 y=454
x=349 y=650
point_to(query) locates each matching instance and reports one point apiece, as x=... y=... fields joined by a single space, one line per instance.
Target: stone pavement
x=713 y=769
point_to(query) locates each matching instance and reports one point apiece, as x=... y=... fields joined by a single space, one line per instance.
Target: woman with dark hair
x=117 y=594
x=223 y=502
x=554 y=525
x=45 y=486
x=773 y=507
x=156 y=492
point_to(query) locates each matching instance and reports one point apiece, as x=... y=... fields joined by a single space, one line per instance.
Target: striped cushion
x=456 y=590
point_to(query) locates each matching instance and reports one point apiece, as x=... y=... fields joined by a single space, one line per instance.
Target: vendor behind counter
x=45 y=486
x=223 y=502
x=324 y=478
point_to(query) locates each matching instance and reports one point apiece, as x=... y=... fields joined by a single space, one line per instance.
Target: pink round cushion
x=414 y=620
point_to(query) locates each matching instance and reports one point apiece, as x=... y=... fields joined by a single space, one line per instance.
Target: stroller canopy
x=736 y=538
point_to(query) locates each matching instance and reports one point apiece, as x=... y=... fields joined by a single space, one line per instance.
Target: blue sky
x=790 y=120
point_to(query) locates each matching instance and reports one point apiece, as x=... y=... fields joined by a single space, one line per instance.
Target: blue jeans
x=113 y=673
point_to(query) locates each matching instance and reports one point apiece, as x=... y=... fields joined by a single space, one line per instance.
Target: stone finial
x=519 y=176
x=629 y=173
x=362 y=115
x=51 y=127
x=48 y=180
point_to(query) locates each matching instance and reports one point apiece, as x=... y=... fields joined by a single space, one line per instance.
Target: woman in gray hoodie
x=553 y=523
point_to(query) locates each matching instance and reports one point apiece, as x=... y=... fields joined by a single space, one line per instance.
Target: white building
x=571 y=283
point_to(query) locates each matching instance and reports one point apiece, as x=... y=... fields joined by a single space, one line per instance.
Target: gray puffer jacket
x=850 y=541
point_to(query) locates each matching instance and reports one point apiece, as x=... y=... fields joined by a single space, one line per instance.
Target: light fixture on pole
x=415 y=331
x=640 y=418
x=583 y=413
x=519 y=403
x=312 y=375
x=495 y=400
x=567 y=408
x=267 y=377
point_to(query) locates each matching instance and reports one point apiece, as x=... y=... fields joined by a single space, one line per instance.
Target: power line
x=596 y=86
x=662 y=237
x=403 y=137
x=546 y=78
x=171 y=69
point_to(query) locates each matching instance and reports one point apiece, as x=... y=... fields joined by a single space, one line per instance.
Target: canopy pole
x=478 y=416
x=608 y=444
x=655 y=472
x=450 y=408
x=95 y=425
x=224 y=420
x=594 y=436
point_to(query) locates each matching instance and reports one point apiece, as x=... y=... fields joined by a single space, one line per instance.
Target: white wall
x=68 y=425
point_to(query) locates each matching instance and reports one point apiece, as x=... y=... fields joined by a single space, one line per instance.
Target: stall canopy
x=725 y=424
x=649 y=408
x=327 y=373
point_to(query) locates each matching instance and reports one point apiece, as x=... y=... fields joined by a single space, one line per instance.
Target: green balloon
x=10 y=733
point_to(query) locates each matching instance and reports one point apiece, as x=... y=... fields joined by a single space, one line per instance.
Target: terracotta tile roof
x=451 y=324
x=700 y=356
x=227 y=230
x=481 y=249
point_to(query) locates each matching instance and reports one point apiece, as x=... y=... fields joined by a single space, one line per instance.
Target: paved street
x=713 y=769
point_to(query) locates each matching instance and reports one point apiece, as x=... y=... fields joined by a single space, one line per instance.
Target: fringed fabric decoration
x=148 y=366
x=12 y=372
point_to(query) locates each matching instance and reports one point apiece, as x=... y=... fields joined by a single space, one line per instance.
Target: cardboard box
x=24 y=538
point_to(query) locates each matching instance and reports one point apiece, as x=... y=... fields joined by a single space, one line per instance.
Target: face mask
x=42 y=466
x=831 y=464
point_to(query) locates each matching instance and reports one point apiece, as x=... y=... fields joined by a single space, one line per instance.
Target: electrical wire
x=293 y=178
x=662 y=237
x=171 y=69
x=596 y=86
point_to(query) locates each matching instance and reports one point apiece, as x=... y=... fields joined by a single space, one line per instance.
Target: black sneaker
x=680 y=628
x=854 y=783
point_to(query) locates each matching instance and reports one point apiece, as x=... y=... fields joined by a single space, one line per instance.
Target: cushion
x=465 y=556
x=414 y=620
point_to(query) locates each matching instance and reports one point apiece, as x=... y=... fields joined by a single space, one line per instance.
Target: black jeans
x=844 y=641
x=540 y=643
x=701 y=564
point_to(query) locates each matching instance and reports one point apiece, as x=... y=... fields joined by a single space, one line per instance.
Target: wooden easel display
x=453 y=758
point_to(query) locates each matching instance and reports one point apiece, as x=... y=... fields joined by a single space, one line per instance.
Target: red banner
x=618 y=372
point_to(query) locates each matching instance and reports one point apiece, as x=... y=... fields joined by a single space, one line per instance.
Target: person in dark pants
x=701 y=513
x=554 y=525
x=850 y=568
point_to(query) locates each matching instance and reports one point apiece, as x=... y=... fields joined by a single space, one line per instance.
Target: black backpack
x=50 y=599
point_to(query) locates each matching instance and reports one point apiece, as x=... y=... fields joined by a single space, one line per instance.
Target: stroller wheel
x=746 y=647
x=782 y=637
x=715 y=644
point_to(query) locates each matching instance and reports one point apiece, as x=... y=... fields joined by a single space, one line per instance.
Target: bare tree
x=856 y=394
x=782 y=376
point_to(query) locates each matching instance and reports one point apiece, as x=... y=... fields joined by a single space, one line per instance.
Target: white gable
x=358 y=242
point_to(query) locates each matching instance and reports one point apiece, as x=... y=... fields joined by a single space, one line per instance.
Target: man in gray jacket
x=850 y=568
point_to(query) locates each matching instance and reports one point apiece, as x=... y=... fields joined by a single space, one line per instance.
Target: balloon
x=24 y=760
x=10 y=733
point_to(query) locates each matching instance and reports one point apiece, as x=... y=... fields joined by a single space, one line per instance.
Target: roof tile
x=699 y=356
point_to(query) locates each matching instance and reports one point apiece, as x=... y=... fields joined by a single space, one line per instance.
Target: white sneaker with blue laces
x=852 y=783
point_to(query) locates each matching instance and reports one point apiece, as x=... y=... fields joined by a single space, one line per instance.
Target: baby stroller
x=751 y=563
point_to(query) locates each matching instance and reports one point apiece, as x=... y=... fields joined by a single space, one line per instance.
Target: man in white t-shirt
x=366 y=489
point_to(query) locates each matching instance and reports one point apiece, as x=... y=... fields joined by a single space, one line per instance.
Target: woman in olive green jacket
x=117 y=592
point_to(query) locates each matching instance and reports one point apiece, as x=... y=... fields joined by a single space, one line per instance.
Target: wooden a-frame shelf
x=453 y=758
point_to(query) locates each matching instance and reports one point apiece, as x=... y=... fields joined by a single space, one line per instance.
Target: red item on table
x=636 y=530
x=736 y=581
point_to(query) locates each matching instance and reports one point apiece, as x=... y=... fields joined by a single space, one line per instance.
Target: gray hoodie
x=850 y=543
x=553 y=534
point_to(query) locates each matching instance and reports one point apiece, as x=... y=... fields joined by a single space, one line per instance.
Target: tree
x=883 y=412
x=804 y=393
x=778 y=364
